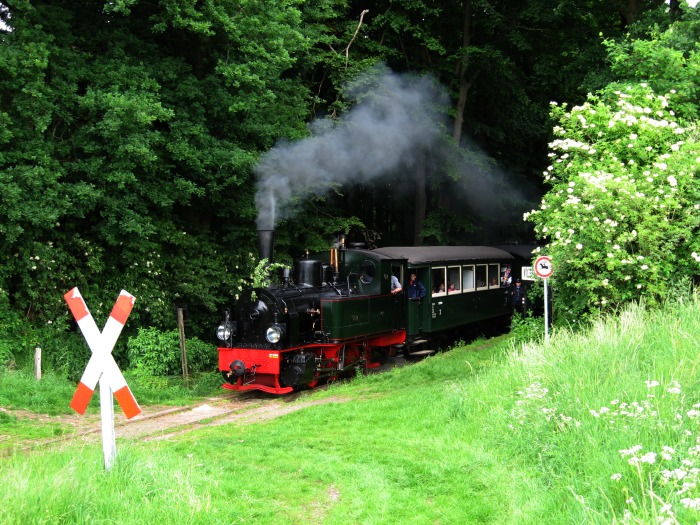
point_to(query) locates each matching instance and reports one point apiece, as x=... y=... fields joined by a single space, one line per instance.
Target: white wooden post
x=37 y=363
x=183 y=348
x=109 y=438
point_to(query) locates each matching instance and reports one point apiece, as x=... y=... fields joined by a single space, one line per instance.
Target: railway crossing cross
x=102 y=367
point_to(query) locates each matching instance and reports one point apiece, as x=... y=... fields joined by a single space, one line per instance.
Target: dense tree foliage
x=496 y=60
x=130 y=132
x=622 y=215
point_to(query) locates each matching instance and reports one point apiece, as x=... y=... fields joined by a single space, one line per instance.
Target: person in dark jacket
x=416 y=290
x=518 y=298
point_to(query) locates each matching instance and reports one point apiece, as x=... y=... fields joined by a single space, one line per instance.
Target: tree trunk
x=631 y=10
x=421 y=199
x=464 y=83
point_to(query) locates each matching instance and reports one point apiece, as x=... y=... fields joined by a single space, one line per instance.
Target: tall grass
x=600 y=427
x=608 y=419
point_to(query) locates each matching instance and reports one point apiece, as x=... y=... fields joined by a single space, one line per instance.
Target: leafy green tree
x=128 y=132
x=502 y=63
x=664 y=54
x=621 y=218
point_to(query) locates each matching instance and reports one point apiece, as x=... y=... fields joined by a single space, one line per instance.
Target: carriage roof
x=524 y=251
x=419 y=255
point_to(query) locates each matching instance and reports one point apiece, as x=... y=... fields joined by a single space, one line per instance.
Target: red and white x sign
x=101 y=345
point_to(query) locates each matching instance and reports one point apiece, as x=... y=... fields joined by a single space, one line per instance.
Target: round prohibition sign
x=543 y=267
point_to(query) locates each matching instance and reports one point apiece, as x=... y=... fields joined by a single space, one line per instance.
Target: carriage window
x=367 y=272
x=454 y=281
x=481 y=281
x=438 y=281
x=468 y=279
x=494 y=275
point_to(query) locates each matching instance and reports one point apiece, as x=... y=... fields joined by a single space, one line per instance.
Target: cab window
x=367 y=272
x=397 y=271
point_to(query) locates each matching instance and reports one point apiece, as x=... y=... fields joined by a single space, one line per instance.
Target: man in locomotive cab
x=416 y=290
x=395 y=284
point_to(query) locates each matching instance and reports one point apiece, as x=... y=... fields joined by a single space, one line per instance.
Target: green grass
x=52 y=394
x=20 y=390
x=600 y=427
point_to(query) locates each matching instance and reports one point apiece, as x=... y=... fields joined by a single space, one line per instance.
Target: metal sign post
x=546 y=312
x=102 y=367
x=543 y=269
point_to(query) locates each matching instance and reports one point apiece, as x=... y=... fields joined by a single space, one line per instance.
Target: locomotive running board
x=415 y=342
x=419 y=353
x=264 y=388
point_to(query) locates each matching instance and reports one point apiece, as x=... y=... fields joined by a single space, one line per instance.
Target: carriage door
x=417 y=309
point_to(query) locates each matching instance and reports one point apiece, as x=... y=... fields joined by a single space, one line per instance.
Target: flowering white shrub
x=622 y=217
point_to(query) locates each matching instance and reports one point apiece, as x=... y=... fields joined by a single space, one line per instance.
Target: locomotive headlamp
x=226 y=328
x=223 y=332
x=274 y=333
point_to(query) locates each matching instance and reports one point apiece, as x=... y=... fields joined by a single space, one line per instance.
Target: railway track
x=163 y=423
x=159 y=423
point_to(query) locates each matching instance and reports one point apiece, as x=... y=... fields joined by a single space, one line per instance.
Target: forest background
x=139 y=141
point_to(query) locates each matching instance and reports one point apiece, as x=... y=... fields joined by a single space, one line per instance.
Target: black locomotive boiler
x=334 y=312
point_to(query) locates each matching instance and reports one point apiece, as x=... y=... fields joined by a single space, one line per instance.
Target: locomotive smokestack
x=266 y=244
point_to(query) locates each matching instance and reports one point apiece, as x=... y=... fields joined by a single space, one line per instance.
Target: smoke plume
x=393 y=117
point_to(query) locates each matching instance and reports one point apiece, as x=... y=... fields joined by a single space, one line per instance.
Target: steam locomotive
x=334 y=312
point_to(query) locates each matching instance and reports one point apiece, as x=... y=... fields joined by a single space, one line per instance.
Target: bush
x=621 y=218
x=201 y=356
x=156 y=353
x=527 y=329
x=65 y=353
x=12 y=331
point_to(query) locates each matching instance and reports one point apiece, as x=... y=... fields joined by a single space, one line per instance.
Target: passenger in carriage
x=507 y=278
x=451 y=287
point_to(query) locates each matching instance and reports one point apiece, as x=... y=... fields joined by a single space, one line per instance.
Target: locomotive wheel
x=312 y=384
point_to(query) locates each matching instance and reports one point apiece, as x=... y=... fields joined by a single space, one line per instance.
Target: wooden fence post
x=183 y=350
